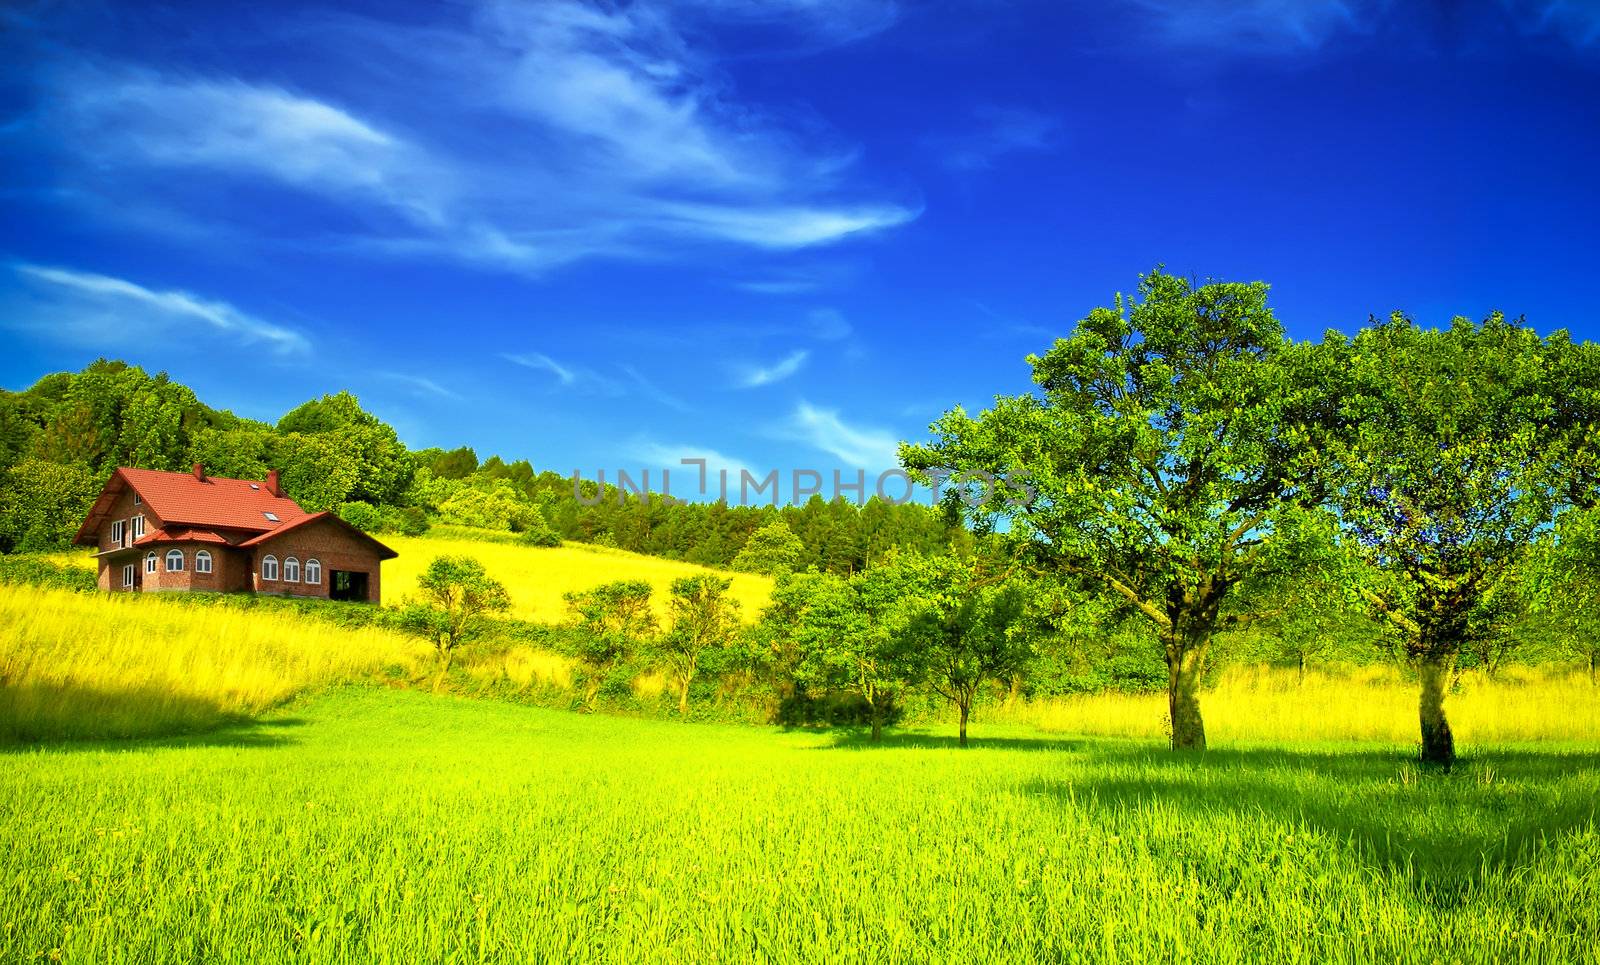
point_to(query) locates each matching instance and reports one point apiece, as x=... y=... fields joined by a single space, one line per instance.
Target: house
x=188 y=531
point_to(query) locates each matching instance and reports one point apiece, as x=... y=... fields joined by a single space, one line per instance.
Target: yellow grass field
x=98 y=665
x=537 y=577
x=1372 y=704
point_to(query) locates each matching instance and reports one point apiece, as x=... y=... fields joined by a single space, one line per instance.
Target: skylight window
x=271 y=517
x=252 y=486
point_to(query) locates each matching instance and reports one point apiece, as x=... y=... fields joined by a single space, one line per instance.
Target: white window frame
x=138 y=500
x=313 y=572
x=127 y=576
x=181 y=561
x=291 y=570
x=202 y=561
x=138 y=527
x=269 y=568
x=119 y=532
x=150 y=562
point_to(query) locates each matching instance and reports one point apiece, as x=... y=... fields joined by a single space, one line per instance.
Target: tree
x=613 y=619
x=846 y=634
x=383 y=467
x=1454 y=454
x=965 y=628
x=1565 y=570
x=771 y=550
x=43 y=504
x=704 y=621
x=458 y=597
x=1165 y=457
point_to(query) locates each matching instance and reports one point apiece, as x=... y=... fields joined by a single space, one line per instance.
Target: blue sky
x=780 y=233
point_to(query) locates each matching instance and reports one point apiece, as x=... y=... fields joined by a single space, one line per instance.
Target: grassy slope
x=372 y=825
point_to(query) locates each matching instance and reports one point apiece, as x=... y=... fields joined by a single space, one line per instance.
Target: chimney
x=272 y=482
x=199 y=472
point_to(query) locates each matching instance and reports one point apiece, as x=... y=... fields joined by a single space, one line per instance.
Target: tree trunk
x=1438 y=744
x=1302 y=668
x=683 y=697
x=877 y=724
x=1183 y=699
x=1594 y=668
x=966 y=711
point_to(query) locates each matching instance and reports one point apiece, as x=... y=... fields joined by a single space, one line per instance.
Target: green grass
x=394 y=826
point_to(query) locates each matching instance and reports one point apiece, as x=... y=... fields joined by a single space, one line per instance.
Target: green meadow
x=385 y=825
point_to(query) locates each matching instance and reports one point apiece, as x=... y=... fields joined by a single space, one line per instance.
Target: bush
x=38 y=571
x=363 y=516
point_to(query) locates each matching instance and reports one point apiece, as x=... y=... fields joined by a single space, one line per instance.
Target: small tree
x=704 y=620
x=458 y=596
x=965 y=630
x=613 y=620
x=771 y=550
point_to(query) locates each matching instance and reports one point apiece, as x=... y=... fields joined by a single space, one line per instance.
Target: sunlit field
x=394 y=826
x=1371 y=704
x=95 y=665
x=537 y=576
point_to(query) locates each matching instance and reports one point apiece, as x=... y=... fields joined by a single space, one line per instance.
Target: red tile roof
x=179 y=499
x=181 y=534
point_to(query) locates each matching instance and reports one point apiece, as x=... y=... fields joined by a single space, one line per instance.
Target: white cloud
x=755 y=376
x=653 y=392
x=106 y=310
x=855 y=446
x=534 y=136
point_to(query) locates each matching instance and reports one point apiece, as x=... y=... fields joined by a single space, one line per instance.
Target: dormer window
x=271 y=517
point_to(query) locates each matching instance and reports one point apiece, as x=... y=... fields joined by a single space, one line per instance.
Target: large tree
x=705 y=618
x=1165 y=453
x=613 y=620
x=1456 y=449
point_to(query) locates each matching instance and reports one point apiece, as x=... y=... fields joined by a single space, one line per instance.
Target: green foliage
x=383 y=467
x=45 y=572
x=1166 y=454
x=771 y=550
x=614 y=620
x=705 y=620
x=458 y=596
x=42 y=504
x=363 y=516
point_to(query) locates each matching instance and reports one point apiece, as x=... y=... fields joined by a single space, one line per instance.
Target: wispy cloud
x=94 y=307
x=1264 y=27
x=755 y=376
x=566 y=375
x=654 y=392
x=1575 y=21
x=854 y=446
x=615 y=135
x=997 y=132
x=421 y=385
x=685 y=479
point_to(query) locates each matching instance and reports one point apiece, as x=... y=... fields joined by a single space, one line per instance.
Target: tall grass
x=85 y=665
x=1371 y=704
x=537 y=577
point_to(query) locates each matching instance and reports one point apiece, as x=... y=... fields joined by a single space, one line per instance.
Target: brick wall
x=328 y=543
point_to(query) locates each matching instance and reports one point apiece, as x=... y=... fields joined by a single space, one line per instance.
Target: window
x=150 y=562
x=137 y=501
x=127 y=576
x=271 y=517
x=291 y=570
x=174 y=561
x=202 y=561
x=118 y=528
x=269 y=567
x=313 y=572
x=138 y=527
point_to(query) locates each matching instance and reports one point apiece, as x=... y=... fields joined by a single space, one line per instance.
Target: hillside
x=538 y=576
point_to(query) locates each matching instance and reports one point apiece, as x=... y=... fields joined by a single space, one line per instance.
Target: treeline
x=61 y=439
